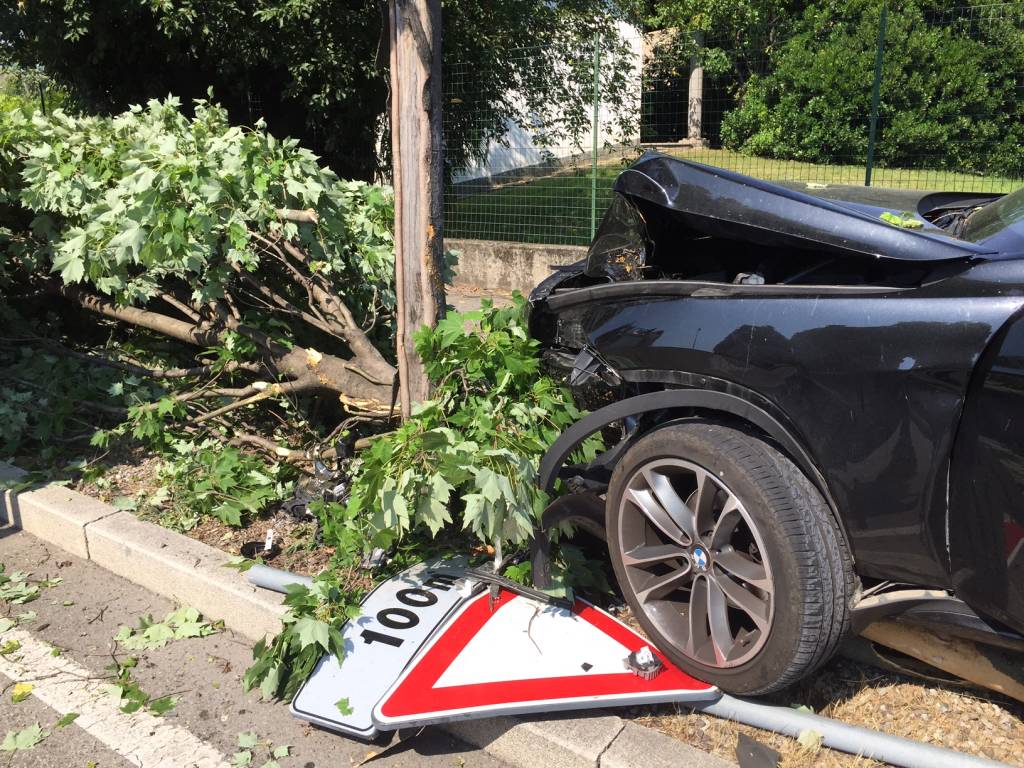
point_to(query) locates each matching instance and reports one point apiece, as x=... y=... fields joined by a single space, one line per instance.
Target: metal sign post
x=876 y=89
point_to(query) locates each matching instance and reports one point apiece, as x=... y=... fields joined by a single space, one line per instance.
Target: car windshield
x=1005 y=213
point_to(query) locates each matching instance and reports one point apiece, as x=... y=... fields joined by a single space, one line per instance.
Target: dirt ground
x=135 y=475
x=969 y=721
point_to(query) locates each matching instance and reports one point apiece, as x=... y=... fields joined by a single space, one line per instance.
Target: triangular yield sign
x=521 y=656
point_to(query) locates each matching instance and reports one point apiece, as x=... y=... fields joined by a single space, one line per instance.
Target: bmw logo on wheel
x=700 y=559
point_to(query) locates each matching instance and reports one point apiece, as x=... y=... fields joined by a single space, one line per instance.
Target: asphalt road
x=82 y=614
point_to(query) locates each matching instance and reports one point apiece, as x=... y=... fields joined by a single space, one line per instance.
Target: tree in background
x=728 y=39
x=949 y=93
x=315 y=70
x=736 y=34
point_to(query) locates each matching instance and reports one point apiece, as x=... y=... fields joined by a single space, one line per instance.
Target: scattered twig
x=307 y=216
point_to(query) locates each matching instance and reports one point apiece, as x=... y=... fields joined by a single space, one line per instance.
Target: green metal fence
x=926 y=101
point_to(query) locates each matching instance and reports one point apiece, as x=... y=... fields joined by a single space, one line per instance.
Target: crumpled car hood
x=720 y=203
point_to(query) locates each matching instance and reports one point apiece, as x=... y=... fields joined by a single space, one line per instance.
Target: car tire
x=728 y=556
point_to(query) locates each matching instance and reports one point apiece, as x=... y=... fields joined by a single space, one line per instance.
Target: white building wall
x=523 y=152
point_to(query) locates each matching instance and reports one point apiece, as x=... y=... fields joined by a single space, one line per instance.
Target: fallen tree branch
x=232 y=366
x=363 y=382
x=374 y=368
x=275 y=301
x=144 y=318
x=292 y=455
x=260 y=393
x=307 y=216
x=186 y=310
x=241 y=403
x=264 y=444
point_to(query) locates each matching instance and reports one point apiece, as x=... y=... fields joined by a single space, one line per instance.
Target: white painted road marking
x=140 y=738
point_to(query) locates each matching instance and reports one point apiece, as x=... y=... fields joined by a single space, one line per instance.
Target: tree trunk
x=417 y=177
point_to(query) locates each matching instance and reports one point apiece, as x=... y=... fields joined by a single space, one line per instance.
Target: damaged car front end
x=798 y=399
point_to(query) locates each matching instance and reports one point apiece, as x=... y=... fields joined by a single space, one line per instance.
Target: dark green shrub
x=950 y=97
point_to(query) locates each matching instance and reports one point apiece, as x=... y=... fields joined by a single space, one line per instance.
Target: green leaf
x=396 y=512
x=66 y=720
x=155 y=636
x=271 y=681
x=312 y=632
x=474 y=508
x=229 y=513
x=905 y=220
x=129 y=240
x=240 y=564
x=17 y=590
x=17 y=741
x=248 y=740
x=279 y=752
x=162 y=705
x=489 y=484
x=185 y=622
x=343 y=707
x=810 y=739
x=182 y=615
x=68 y=259
x=10 y=647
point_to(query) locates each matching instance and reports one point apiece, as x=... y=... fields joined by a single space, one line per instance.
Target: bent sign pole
x=417 y=178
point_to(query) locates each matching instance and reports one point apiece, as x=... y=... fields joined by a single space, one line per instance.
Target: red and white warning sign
x=518 y=656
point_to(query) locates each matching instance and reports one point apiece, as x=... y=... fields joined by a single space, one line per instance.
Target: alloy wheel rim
x=694 y=559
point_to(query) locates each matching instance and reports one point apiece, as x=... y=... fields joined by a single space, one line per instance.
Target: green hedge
x=950 y=97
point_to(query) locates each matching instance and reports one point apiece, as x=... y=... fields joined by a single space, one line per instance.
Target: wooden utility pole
x=417 y=175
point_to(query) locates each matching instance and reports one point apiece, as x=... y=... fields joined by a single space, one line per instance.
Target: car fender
x=732 y=404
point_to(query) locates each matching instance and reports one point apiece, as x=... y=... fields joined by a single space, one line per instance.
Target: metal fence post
x=876 y=93
x=593 y=134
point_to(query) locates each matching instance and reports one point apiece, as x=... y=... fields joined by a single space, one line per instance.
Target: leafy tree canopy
x=315 y=70
x=226 y=240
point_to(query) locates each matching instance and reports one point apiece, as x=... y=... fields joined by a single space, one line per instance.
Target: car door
x=986 y=513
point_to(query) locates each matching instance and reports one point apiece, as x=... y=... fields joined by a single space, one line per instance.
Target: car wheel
x=728 y=556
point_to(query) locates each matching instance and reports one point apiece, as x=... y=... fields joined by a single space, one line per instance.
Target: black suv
x=814 y=410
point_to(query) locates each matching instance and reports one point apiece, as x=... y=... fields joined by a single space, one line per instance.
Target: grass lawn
x=556 y=209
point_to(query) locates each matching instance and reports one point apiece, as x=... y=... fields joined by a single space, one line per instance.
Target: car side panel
x=987 y=491
x=872 y=384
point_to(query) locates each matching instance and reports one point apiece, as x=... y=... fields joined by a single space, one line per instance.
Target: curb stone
x=555 y=742
x=162 y=561
x=54 y=513
x=656 y=750
x=185 y=570
x=193 y=573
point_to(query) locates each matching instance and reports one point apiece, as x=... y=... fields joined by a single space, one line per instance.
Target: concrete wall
x=491 y=265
